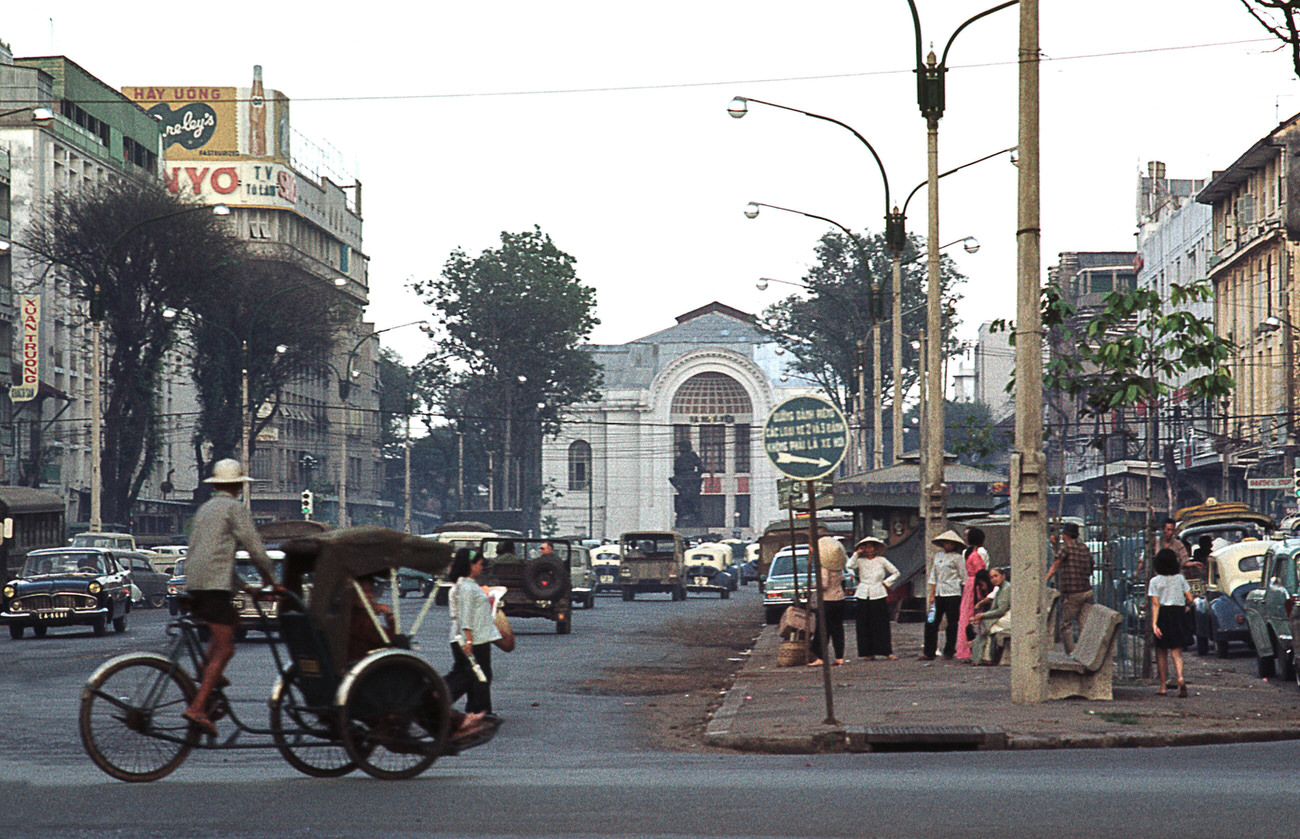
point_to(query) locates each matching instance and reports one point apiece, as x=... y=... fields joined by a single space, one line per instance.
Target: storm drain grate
x=932 y=738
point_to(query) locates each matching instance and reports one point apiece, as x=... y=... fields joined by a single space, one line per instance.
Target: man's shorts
x=213 y=606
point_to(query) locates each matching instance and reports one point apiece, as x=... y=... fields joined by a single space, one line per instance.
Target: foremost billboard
x=212 y=123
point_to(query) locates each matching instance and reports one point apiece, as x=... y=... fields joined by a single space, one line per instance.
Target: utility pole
x=1028 y=465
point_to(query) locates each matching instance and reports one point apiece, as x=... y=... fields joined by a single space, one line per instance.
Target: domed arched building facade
x=703 y=386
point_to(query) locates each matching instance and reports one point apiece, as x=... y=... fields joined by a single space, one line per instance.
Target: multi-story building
x=290 y=199
x=709 y=381
x=1174 y=247
x=62 y=129
x=1255 y=222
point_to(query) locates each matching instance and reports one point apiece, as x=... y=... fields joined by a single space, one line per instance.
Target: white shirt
x=469 y=608
x=1169 y=590
x=874 y=576
x=947 y=574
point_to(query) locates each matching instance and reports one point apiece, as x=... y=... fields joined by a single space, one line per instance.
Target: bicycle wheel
x=394 y=714
x=307 y=736
x=130 y=719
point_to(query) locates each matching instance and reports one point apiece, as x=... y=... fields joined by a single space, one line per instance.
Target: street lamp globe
x=971 y=245
x=751 y=210
x=220 y=210
x=738 y=107
x=762 y=284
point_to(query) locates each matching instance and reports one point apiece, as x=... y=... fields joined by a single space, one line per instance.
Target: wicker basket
x=792 y=654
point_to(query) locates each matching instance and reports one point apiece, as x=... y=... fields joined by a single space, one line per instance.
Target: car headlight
x=9 y=591
x=94 y=588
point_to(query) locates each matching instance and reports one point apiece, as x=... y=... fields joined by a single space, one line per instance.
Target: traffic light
x=1295 y=481
x=306 y=503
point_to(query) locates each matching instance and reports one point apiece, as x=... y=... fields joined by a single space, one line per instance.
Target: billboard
x=207 y=123
x=236 y=183
x=30 y=339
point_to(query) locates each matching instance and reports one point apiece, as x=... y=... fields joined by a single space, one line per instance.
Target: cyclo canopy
x=335 y=558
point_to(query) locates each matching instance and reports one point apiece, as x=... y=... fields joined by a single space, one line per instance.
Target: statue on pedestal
x=688 y=475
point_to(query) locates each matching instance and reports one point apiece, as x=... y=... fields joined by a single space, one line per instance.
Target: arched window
x=579 y=466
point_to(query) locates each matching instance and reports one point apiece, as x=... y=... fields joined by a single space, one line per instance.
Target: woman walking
x=875 y=575
x=976 y=559
x=473 y=629
x=1170 y=597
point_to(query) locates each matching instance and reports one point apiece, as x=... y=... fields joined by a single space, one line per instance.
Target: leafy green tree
x=969 y=432
x=515 y=317
x=275 y=320
x=823 y=328
x=133 y=250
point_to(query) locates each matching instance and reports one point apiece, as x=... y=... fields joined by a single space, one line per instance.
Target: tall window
x=579 y=466
x=741 y=453
x=713 y=447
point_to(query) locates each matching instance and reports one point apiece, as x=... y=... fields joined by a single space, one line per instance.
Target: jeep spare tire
x=545 y=578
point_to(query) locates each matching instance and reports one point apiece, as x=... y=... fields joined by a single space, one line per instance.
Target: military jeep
x=537 y=575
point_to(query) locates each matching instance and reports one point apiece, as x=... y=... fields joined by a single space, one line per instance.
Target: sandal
x=201 y=722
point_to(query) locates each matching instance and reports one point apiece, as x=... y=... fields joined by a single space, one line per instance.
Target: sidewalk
x=911 y=704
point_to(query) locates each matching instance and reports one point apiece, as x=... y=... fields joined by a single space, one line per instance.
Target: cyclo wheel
x=394 y=712
x=130 y=718
x=307 y=737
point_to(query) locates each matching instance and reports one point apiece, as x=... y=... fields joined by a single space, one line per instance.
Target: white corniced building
x=711 y=379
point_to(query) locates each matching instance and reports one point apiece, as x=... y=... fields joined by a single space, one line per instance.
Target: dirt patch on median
x=676 y=699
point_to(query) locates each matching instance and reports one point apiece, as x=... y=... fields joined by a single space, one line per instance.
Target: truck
x=653 y=561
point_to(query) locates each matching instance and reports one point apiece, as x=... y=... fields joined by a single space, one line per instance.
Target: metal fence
x=1119 y=581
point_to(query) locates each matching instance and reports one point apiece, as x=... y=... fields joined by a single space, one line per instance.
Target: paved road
x=570 y=763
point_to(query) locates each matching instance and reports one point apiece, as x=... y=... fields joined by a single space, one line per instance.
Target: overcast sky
x=605 y=124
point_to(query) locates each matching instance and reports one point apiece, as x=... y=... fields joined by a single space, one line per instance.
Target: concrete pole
x=406 y=491
x=897 y=340
x=96 y=428
x=1028 y=464
x=933 y=490
x=245 y=428
x=859 y=436
x=343 y=466
x=877 y=433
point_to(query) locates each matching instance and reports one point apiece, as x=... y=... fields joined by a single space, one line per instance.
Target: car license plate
x=52 y=614
x=701 y=581
x=607 y=578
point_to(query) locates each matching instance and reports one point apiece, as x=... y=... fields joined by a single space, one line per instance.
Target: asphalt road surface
x=577 y=757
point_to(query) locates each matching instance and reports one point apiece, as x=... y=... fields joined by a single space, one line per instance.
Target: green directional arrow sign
x=805 y=437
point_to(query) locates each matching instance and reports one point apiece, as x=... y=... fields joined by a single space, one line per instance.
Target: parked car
x=707 y=570
x=605 y=561
x=749 y=568
x=151 y=582
x=122 y=541
x=1267 y=608
x=779 y=585
x=67 y=587
x=1234 y=571
x=176 y=587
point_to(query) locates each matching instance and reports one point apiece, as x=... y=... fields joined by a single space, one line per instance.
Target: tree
x=969 y=432
x=1279 y=18
x=822 y=330
x=515 y=317
x=133 y=250
x=272 y=318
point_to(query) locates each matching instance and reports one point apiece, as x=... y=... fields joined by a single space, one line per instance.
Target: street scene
x=729 y=419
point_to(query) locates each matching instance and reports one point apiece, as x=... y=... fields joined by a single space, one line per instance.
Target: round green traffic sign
x=805 y=437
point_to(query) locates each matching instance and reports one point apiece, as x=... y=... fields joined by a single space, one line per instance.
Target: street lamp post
x=751 y=211
x=345 y=390
x=930 y=97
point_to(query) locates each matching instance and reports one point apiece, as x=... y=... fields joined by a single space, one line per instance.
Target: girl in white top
x=875 y=575
x=1170 y=597
x=473 y=629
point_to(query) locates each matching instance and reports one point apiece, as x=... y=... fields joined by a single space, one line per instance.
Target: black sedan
x=67 y=587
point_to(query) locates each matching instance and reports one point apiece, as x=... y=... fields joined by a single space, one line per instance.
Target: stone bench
x=1089 y=670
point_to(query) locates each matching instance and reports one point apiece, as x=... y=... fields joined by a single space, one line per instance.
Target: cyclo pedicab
x=387 y=713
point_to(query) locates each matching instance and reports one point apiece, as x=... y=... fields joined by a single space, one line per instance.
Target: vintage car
x=250 y=619
x=653 y=561
x=748 y=569
x=707 y=570
x=1268 y=607
x=165 y=557
x=784 y=579
x=605 y=560
x=67 y=587
x=537 y=583
x=1234 y=571
x=151 y=582
x=582 y=576
x=409 y=580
